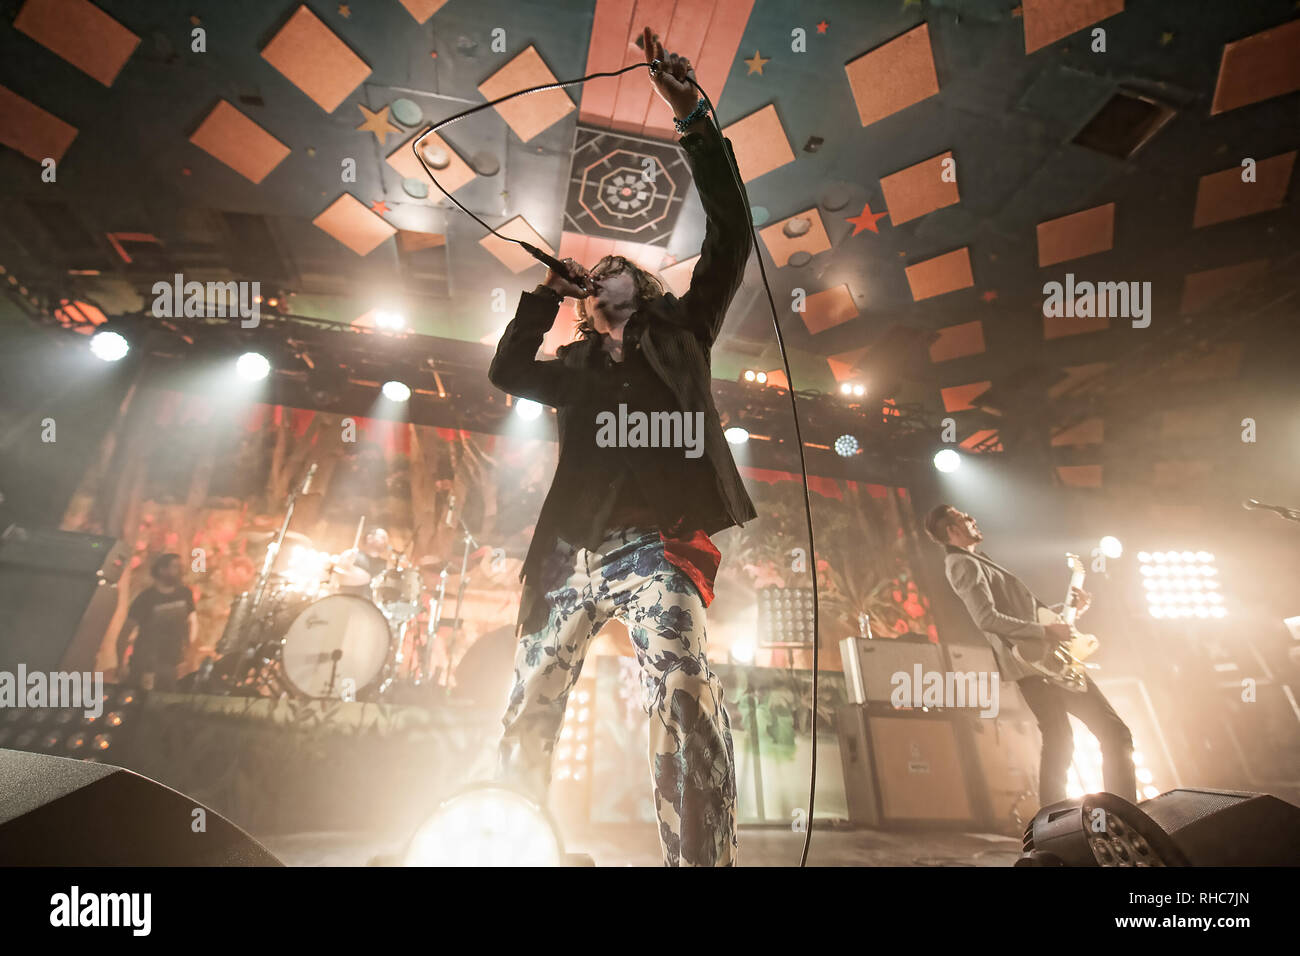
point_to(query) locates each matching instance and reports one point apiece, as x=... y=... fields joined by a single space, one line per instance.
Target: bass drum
x=336 y=648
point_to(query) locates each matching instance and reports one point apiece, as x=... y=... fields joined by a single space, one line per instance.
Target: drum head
x=338 y=642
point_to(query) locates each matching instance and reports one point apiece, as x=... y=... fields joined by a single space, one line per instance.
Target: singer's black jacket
x=673 y=334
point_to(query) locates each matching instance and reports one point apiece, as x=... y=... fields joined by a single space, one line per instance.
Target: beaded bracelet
x=701 y=108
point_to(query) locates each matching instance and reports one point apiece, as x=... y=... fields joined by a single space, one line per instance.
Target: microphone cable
x=654 y=68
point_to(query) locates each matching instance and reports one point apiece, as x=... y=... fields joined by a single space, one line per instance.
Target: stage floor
x=639 y=846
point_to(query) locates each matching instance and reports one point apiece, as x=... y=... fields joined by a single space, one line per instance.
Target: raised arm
x=516 y=369
x=727 y=238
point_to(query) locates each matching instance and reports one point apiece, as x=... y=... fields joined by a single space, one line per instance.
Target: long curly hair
x=648 y=288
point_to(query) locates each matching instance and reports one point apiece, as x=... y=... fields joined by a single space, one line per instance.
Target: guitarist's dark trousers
x=1052 y=706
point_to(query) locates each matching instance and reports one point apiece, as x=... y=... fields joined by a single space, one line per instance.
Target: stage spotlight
x=736 y=435
x=1184 y=590
x=527 y=409
x=253 y=367
x=754 y=375
x=742 y=652
x=846 y=446
x=396 y=391
x=389 y=321
x=947 y=460
x=109 y=346
x=750 y=375
x=1111 y=546
x=486 y=826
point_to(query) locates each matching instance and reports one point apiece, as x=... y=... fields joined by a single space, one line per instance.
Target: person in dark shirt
x=644 y=476
x=164 y=616
x=357 y=568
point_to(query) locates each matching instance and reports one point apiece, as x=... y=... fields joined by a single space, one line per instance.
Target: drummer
x=357 y=567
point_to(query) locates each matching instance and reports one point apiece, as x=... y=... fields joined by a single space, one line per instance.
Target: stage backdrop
x=183 y=473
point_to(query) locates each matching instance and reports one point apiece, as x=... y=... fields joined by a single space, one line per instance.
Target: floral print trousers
x=691 y=758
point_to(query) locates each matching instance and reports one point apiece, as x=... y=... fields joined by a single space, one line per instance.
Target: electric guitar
x=1061 y=663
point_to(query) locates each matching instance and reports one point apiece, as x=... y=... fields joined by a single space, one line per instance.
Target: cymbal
x=352 y=577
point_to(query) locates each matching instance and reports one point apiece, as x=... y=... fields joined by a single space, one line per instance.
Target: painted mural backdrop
x=183 y=474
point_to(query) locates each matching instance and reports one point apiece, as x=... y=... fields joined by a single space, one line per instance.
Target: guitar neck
x=1077 y=575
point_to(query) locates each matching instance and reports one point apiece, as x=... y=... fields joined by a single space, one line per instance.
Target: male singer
x=624 y=531
x=1007 y=612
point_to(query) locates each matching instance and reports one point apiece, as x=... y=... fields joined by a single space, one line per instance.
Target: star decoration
x=990 y=296
x=821 y=27
x=345 y=11
x=377 y=123
x=866 y=219
x=756 y=62
x=379 y=207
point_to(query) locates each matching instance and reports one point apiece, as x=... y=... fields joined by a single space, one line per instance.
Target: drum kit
x=317 y=625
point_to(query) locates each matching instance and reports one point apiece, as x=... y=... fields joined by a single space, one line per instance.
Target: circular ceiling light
x=947 y=460
x=527 y=409
x=846 y=446
x=396 y=391
x=252 y=367
x=109 y=346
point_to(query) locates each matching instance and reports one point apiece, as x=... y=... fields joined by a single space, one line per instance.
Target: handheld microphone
x=451 y=509
x=306 y=482
x=555 y=264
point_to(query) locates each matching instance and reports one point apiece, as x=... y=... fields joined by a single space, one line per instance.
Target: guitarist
x=1007 y=612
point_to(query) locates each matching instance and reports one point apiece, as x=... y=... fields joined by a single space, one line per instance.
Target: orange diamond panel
x=920 y=189
x=315 y=60
x=894 y=76
x=237 y=141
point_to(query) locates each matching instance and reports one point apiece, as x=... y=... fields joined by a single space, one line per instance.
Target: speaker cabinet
x=57 y=595
x=879 y=659
x=60 y=812
x=902 y=769
x=1006 y=751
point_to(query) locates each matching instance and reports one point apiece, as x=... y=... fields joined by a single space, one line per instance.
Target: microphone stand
x=460 y=597
x=272 y=552
x=1289 y=514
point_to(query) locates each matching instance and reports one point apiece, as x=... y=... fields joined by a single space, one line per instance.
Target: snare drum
x=397 y=591
x=339 y=643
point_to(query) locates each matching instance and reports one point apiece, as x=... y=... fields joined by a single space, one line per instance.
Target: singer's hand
x=671 y=84
x=563 y=286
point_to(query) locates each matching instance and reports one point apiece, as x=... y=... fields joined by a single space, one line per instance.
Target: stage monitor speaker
x=57 y=596
x=60 y=812
x=1229 y=828
x=902 y=770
